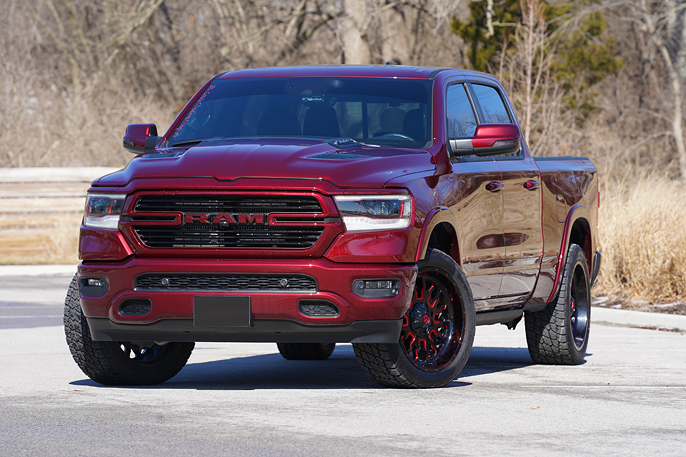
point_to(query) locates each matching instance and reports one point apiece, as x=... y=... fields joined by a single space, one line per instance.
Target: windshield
x=382 y=111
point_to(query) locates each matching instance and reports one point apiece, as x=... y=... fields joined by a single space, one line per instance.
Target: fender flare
x=576 y=213
x=436 y=216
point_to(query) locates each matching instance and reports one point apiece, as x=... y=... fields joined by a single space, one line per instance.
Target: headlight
x=103 y=210
x=374 y=212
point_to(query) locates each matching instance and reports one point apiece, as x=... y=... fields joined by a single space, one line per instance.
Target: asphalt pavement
x=628 y=398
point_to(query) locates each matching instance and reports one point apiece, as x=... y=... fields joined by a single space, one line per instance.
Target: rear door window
x=492 y=106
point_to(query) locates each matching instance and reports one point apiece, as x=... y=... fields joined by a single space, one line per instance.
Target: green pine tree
x=583 y=57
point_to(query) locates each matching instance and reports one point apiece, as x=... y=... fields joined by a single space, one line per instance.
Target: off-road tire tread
x=379 y=364
x=91 y=356
x=376 y=362
x=547 y=333
x=306 y=351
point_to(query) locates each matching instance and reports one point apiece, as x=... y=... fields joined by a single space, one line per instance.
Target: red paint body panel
x=334 y=283
x=509 y=243
x=103 y=245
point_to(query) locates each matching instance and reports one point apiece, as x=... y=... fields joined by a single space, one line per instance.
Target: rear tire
x=558 y=334
x=306 y=351
x=118 y=363
x=437 y=333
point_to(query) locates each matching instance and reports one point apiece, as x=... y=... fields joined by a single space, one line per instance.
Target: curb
x=37 y=270
x=627 y=318
x=56 y=174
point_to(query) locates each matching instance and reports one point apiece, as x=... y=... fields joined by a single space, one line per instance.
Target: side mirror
x=489 y=139
x=141 y=138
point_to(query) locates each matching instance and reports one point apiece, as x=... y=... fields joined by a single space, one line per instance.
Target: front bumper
x=275 y=315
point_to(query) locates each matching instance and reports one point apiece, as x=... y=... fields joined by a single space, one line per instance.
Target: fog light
x=93 y=287
x=376 y=288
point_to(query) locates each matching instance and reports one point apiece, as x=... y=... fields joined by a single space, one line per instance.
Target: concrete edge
x=37 y=270
x=637 y=318
x=53 y=174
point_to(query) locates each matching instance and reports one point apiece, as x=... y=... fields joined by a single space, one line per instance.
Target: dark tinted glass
x=461 y=119
x=492 y=105
x=371 y=110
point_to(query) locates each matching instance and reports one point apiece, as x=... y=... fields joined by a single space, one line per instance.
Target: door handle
x=532 y=185
x=494 y=186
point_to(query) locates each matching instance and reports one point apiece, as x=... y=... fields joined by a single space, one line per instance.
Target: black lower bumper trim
x=265 y=331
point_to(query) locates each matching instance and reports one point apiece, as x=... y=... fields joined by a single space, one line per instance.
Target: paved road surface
x=629 y=398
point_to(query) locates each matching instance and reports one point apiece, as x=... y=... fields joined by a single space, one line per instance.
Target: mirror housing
x=141 y=138
x=489 y=139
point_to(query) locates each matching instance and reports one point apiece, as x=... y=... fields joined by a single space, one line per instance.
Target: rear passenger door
x=521 y=194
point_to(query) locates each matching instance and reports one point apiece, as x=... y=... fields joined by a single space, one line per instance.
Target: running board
x=498 y=317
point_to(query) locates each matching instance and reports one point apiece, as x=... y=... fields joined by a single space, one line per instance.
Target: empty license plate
x=222 y=311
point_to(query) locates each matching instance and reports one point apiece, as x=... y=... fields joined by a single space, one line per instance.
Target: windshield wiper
x=194 y=142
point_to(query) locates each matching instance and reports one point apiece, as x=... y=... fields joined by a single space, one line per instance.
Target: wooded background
x=597 y=78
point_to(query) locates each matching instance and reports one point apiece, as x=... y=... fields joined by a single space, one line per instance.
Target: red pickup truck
x=391 y=207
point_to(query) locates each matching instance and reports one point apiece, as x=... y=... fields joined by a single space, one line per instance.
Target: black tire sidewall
x=577 y=258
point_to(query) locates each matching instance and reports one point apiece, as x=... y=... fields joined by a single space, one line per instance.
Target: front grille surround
x=157 y=222
x=225 y=282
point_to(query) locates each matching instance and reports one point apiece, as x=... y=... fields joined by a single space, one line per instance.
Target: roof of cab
x=360 y=71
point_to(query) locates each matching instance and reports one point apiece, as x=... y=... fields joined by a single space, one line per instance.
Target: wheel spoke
x=428 y=326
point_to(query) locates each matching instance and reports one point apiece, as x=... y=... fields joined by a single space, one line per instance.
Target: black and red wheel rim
x=433 y=327
x=578 y=307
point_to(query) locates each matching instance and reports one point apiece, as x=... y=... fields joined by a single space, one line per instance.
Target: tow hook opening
x=135 y=307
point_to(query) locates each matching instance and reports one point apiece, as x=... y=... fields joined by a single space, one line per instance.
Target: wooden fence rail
x=40 y=210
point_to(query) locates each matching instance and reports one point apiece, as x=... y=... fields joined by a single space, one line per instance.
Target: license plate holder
x=221 y=311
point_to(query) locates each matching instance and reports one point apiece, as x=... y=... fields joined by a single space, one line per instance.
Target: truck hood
x=230 y=160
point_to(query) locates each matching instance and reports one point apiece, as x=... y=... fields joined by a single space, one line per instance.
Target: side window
x=492 y=106
x=461 y=119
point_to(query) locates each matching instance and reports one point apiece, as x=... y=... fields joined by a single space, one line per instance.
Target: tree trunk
x=354 y=32
x=675 y=83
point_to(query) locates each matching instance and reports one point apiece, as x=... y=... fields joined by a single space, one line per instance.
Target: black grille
x=244 y=204
x=212 y=236
x=226 y=282
x=239 y=236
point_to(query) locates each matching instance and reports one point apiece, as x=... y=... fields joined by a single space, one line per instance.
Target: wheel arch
x=577 y=231
x=439 y=233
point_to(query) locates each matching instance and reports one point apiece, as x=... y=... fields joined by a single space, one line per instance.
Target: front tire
x=437 y=333
x=558 y=334
x=118 y=363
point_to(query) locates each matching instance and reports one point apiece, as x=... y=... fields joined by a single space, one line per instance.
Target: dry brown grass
x=642 y=230
x=62 y=244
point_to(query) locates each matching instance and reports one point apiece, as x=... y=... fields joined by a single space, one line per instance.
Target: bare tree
x=661 y=24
